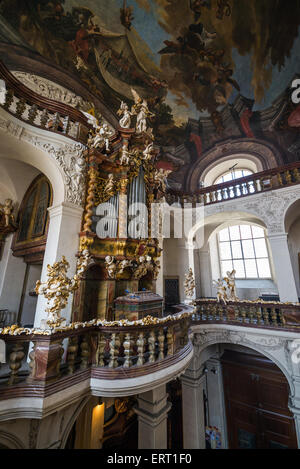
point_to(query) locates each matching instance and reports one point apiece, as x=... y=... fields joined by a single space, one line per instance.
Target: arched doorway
x=253 y=398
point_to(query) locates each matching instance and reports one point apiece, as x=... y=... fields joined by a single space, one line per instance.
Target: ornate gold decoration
x=7 y=210
x=189 y=284
x=58 y=287
x=90 y=199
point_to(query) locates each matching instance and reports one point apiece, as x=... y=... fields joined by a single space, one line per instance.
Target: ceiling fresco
x=189 y=58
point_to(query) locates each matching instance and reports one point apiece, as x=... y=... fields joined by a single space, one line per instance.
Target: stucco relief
x=68 y=156
x=51 y=90
x=269 y=207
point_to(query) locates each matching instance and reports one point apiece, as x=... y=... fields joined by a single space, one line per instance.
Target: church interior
x=149 y=224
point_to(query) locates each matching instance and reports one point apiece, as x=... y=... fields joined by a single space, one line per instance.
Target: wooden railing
x=104 y=351
x=42 y=112
x=260 y=182
x=246 y=313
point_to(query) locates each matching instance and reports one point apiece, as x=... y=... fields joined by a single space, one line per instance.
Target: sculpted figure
x=125 y=121
x=230 y=280
x=221 y=290
x=111 y=266
x=7 y=210
x=141 y=110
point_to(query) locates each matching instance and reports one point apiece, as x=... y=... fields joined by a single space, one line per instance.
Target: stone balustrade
x=260 y=314
x=260 y=182
x=42 y=112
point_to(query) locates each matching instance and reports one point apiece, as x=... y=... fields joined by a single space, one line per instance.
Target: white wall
x=294 y=247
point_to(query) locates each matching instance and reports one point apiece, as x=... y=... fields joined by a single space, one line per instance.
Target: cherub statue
x=189 y=284
x=125 y=121
x=122 y=265
x=110 y=185
x=111 y=266
x=149 y=152
x=230 y=280
x=160 y=178
x=7 y=210
x=125 y=155
x=221 y=290
x=141 y=110
x=141 y=269
x=105 y=132
x=58 y=287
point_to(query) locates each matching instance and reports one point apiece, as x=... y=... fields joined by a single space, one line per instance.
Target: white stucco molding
x=66 y=154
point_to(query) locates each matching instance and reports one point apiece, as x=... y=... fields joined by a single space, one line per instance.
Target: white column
x=296 y=412
x=215 y=394
x=283 y=268
x=152 y=412
x=63 y=240
x=193 y=385
x=12 y=272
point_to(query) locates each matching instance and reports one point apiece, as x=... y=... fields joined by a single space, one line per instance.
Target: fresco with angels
x=189 y=58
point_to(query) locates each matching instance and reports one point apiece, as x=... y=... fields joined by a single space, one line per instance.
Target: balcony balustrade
x=94 y=350
x=259 y=314
x=272 y=179
x=42 y=112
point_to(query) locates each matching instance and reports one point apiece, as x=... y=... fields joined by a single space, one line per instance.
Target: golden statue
x=7 y=210
x=189 y=284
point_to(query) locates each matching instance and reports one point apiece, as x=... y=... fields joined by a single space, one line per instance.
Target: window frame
x=217 y=182
x=243 y=259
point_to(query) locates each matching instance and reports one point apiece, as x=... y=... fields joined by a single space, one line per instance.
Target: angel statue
x=149 y=152
x=125 y=121
x=58 y=288
x=141 y=110
x=221 y=290
x=7 y=210
x=160 y=178
x=231 y=286
x=125 y=155
x=111 y=266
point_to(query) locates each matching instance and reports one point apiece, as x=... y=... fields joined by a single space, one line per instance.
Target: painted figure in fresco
x=197 y=6
x=224 y=9
x=7 y=210
x=125 y=121
x=126 y=15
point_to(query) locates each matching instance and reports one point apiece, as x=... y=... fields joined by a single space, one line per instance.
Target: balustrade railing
x=254 y=314
x=42 y=112
x=260 y=182
x=92 y=348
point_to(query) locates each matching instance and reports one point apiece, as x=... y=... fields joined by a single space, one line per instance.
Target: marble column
x=283 y=268
x=63 y=240
x=152 y=412
x=215 y=394
x=193 y=385
x=296 y=412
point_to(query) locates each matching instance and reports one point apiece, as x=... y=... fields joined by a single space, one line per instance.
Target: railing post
x=72 y=353
x=15 y=361
x=140 y=349
x=127 y=349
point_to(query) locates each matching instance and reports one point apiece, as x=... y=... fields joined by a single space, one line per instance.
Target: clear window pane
x=225 y=251
x=237 y=250
x=246 y=232
x=226 y=266
x=263 y=266
x=251 y=270
x=260 y=248
x=240 y=269
x=258 y=232
x=224 y=235
x=235 y=233
x=248 y=249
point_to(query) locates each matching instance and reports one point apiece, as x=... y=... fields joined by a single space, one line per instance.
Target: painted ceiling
x=189 y=58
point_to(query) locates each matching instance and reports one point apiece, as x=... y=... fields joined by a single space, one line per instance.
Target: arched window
x=31 y=235
x=244 y=248
x=233 y=175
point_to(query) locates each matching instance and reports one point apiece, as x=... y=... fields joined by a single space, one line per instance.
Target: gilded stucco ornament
x=189 y=284
x=58 y=288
